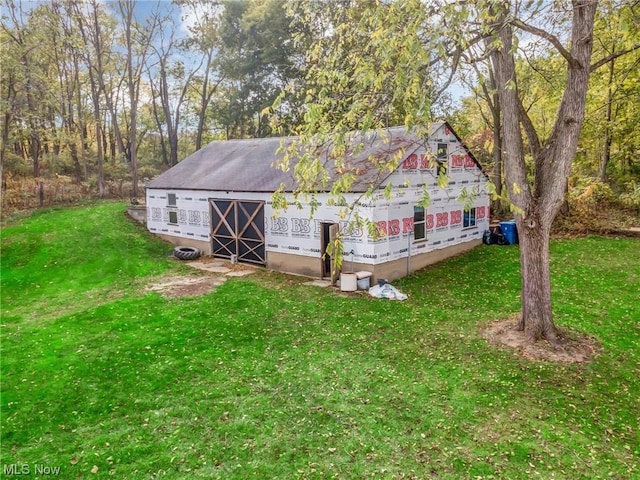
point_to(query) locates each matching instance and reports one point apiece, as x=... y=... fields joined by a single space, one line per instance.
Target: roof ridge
x=358 y=132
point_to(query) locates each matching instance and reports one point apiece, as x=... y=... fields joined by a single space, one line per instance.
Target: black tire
x=186 y=253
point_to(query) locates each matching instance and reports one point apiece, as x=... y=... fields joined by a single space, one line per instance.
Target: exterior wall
x=416 y=179
x=295 y=232
x=292 y=232
x=293 y=238
x=138 y=213
x=400 y=268
x=187 y=242
x=294 y=263
x=308 y=266
x=193 y=212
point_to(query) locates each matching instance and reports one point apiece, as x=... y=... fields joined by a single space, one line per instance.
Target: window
x=443 y=152
x=172 y=204
x=419 y=226
x=469 y=219
x=442 y=156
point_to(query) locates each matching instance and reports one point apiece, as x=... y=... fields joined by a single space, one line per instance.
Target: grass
x=268 y=378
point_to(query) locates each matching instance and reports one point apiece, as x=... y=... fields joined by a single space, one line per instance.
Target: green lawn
x=267 y=378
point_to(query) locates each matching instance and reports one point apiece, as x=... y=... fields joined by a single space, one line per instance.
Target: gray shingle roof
x=246 y=165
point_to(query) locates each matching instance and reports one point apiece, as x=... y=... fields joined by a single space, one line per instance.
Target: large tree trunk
x=537 y=318
x=538 y=204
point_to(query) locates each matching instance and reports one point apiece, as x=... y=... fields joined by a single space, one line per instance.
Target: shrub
x=631 y=198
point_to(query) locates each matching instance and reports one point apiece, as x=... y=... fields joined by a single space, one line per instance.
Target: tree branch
x=555 y=41
x=454 y=69
x=530 y=130
x=613 y=56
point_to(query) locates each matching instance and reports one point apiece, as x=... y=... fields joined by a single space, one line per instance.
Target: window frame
x=423 y=222
x=173 y=208
x=442 y=157
x=467 y=216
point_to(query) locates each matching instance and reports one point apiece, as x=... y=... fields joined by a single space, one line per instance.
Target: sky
x=184 y=18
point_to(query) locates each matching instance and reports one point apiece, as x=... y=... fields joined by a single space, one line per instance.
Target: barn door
x=237 y=229
x=250 y=232
x=223 y=228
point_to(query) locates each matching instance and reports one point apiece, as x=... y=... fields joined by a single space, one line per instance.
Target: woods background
x=97 y=97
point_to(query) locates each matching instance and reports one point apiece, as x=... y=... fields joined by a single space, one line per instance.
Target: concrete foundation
x=312 y=267
x=187 y=242
x=138 y=213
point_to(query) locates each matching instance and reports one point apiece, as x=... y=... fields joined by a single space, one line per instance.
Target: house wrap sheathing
x=219 y=200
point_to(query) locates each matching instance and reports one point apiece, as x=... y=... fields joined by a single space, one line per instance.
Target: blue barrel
x=510 y=232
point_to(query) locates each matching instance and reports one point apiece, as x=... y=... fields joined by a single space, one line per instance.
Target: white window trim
x=423 y=222
x=475 y=218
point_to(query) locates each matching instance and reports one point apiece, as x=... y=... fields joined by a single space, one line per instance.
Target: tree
x=27 y=83
x=407 y=45
x=137 y=41
x=10 y=82
x=204 y=40
x=66 y=62
x=169 y=83
x=257 y=58
x=539 y=203
x=92 y=21
x=486 y=98
x=610 y=134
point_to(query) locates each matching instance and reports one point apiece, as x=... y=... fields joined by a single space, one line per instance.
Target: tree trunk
x=3 y=148
x=95 y=97
x=34 y=136
x=160 y=126
x=73 y=150
x=34 y=151
x=205 y=98
x=608 y=138
x=82 y=130
x=497 y=156
x=538 y=204
x=100 y=151
x=564 y=208
x=537 y=317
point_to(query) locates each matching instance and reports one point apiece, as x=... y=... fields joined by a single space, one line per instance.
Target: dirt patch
x=234 y=267
x=186 y=286
x=571 y=347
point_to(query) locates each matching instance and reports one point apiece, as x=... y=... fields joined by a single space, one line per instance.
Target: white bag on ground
x=387 y=291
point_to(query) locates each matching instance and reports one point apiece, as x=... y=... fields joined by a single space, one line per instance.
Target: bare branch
x=613 y=56
x=454 y=69
x=555 y=41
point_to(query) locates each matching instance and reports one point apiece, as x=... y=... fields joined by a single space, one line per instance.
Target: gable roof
x=246 y=165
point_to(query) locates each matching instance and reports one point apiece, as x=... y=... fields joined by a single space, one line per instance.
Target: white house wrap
x=219 y=200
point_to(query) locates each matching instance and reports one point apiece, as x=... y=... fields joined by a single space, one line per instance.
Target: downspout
x=409 y=253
